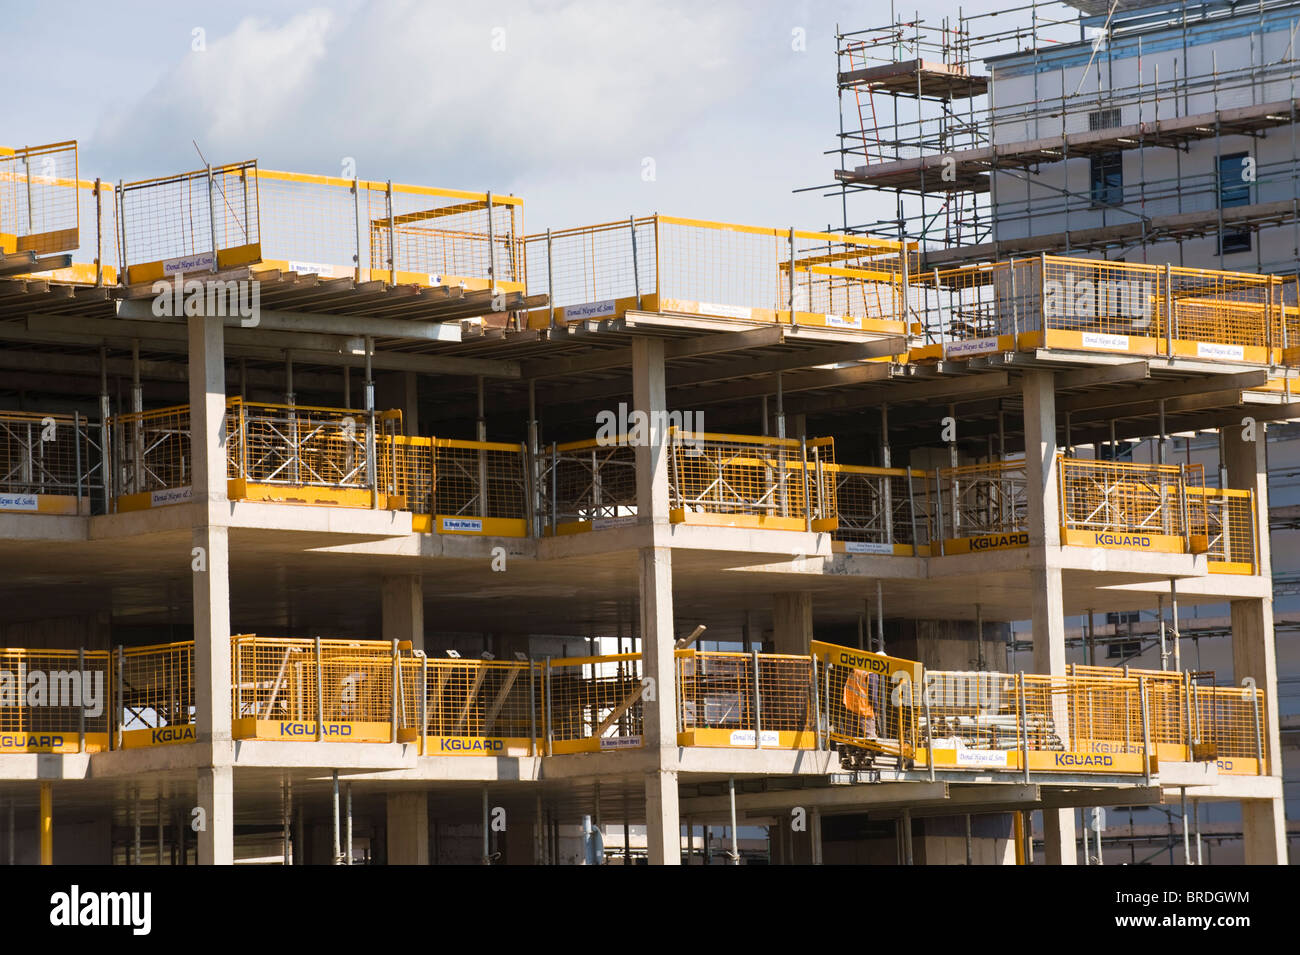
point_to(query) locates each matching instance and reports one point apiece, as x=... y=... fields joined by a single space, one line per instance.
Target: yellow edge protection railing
x=750 y=700
x=50 y=460
x=881 y=510
x=54 y=701
x=751 y=480
x=1145 y=504
x=1092 y=719
x=324 y=225
x=1098 y=304
x=1230 y=524
x=39 y=210
x=719 y=270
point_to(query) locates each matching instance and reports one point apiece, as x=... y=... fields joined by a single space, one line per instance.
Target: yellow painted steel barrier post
x=47 y=824
x=1018 y=830
x=320 y=696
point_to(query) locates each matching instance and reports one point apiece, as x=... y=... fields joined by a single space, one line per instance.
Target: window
x=1103 y=119
x=1122 y=651
x=1106 y=178
x=1234 y=190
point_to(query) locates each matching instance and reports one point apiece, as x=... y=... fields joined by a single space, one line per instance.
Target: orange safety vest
x=857 y=694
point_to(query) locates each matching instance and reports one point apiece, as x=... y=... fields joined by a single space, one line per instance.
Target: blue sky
x=560 y=101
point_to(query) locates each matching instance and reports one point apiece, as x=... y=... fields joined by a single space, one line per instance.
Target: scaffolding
x=968 y=125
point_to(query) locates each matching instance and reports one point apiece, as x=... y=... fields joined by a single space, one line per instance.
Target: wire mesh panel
x=736 y=271
x=171 y=224
x=593 y=703
x=38 y=199
x=879 y=509
x=446 y=235
x=978 y=304
x=972 y=710
x=1109 y=305
x=589 y=272
x=297 y=444
x=868 y=701
x=151 y=450
x=476 y=482
x=309 y=224
x=846 y=278
x=1117 y=498
x=336 y=227
x=337 y=690
x=154 y=694
x=745 y=699
x=48 y=698
x=1228 y=517
x=588 y=483
x=406 y=469
x=1101 y=297
x=748 y=479
x=472 y=707
x=1224 y=308
x=981 y=501
x=1233 y=723
x=46 y=454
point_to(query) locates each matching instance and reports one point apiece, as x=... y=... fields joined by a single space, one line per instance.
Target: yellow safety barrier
x=153 y=693
x=868 y=701
x=54 y=701
x=454 y=707
x=333 y=690
x=745 y=700
x=321 y=225
x=50 y=463
x=175 y=224
x=151 y=460
x=1115 y=505
x=39 y=199
x=592 y=703
x=458 y=487
x=1131 y=506
x=587 y=485
x=719 y=270
x=381 y=231
x=1228 y=517
x=982 y=507
x=305 y=455
x=739 y=480
x=1090 y=720
x=1077 y=303
x=881 y=510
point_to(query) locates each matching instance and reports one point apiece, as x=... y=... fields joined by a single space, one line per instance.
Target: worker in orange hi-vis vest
x=857 y=699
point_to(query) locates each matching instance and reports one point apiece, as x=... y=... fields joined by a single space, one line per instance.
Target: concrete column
x=663 y=835
x=209 y=561
x=1046 y=606
x=792 y=623
x=403 y=609
x=1254 y=650
x=408 y=828
x=217 y=799
x=663 y=826
x=1039 y=391
x=649 y=396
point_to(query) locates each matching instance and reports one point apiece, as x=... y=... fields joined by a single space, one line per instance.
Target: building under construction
x=348 y=521
x=1144 y=132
